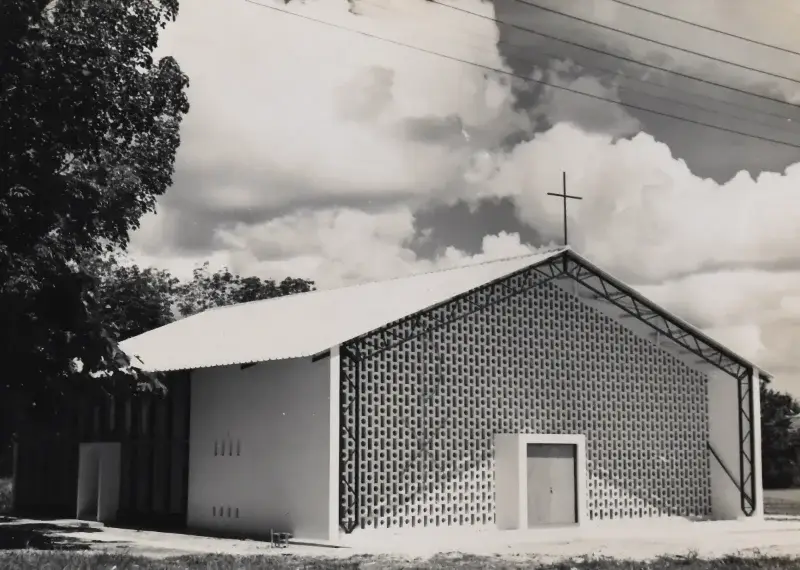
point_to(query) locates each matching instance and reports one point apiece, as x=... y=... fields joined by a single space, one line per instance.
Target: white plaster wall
x=723 y=427
x=507 y=466
x=98 y=481
x=273 y=422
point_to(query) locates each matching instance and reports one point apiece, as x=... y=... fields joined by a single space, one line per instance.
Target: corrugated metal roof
x=308 y=323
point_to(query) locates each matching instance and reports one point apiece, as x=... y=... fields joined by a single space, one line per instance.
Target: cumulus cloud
x=644 y=211
x=306 y=109
x=724 y=256
x=342 y=246
x=308 y=151
x=563 y=100
x=774 y=22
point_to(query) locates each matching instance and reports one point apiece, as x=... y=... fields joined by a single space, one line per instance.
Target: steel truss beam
x=608 y=289
x=564 y=266
x=666 y=326
x=747 y=444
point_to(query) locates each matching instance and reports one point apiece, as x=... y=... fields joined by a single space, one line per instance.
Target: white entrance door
x=552 y=490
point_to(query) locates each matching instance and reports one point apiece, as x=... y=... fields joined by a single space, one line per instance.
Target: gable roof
x=308 y=324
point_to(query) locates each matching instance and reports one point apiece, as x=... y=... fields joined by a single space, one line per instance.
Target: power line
x=519 y=76
x=619 y=73
x=707 y=109
x=652 y=41
x=703 y=27
x=715 y=111
x=617 y=56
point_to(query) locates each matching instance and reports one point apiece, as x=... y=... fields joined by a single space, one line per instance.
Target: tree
x=779 y=445
x=207 y=290
x=129 y=300
x=89 y=129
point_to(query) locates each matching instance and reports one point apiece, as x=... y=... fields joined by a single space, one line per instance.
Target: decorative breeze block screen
x=539 y=362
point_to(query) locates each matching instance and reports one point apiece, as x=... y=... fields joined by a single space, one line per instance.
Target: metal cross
x=564 y=196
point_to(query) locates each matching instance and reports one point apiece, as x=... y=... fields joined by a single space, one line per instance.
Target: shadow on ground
x=42 y=535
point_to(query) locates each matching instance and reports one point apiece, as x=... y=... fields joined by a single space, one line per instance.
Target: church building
x=523 y=393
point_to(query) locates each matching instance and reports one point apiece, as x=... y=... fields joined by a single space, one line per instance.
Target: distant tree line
x=133 y=300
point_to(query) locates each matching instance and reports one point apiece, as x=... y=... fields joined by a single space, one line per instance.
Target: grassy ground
x=64 y=561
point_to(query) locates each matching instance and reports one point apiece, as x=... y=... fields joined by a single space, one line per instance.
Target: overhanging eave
x=631 y=304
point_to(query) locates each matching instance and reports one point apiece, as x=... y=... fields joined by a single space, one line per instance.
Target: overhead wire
x=704 y=27
x=519 y=76
x=781 y=126
x=687 y=104
x=652 y=41
x=617 y=56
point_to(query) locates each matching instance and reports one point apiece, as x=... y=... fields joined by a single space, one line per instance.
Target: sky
x=322 y=153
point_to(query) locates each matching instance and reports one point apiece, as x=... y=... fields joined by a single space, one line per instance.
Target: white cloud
x=774 y=22
x=311 y=109
x=645 y=217
x=311 y=112
x=337 y=246
x=643 y=211
x=343 y=246
x=493 y=247
x=750 y=311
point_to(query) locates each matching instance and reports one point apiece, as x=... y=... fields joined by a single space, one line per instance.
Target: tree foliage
x=207 y=290
x=779 y=443
x=130 y=300
x=89 y=129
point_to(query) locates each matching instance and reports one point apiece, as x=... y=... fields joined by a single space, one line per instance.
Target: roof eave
x=665 y=314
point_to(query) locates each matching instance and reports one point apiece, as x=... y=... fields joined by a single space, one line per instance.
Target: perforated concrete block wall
x=540 y=362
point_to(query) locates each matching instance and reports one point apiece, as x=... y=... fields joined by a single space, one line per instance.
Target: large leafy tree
x=779 y=444
x=89 y=129
x=207 y=290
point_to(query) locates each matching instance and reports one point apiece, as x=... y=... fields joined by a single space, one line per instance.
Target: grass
x=24 y=560
x=782 y=502
x=5 y=495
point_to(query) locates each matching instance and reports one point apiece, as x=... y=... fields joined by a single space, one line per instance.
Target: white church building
x=529 y=392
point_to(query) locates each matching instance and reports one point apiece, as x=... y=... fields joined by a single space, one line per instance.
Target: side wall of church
x=539 y=362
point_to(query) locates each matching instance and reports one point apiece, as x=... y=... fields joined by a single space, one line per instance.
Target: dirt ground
x=778 y=534
x=769 y=537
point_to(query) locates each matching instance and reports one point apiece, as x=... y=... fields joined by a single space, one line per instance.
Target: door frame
x=511 y=488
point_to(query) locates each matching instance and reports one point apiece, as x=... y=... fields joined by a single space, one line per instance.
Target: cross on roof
x=564 y=196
